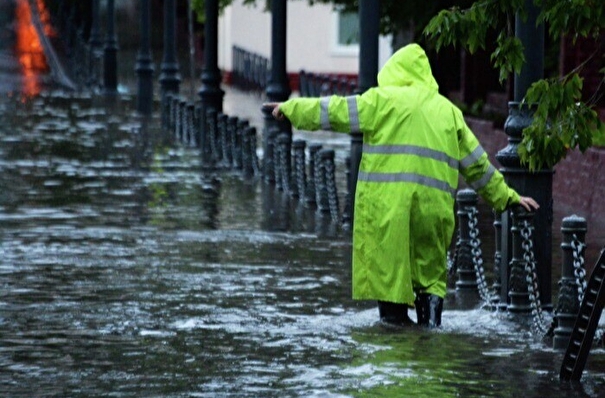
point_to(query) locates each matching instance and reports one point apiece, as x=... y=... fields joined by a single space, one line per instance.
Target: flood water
x=128 y=270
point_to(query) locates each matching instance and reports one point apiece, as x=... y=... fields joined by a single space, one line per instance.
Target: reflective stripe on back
x=353 y=114
x=324 y=117
x=412 y=150
x=407 y=177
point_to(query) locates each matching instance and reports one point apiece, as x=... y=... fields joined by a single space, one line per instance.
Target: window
x=346 y=37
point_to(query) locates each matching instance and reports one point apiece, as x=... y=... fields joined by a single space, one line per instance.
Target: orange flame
x=28 y=47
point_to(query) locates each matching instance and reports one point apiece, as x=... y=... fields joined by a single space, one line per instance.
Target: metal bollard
x=329 y=179
x=210 y=137
x=240 y=132
x=277 y=171
x=321 y=192
x=347 y=213
x=223 y=138
x=467 y=277
x=246 y=161
x=572 y=283
x=182 y=119
x=231 y=134
x=252 y=140
x=518 y=285
x=199 y=129
x=175 y=116
x=269 y=147
x=310 y=194
x=174 y=100
x=166 y=101
x=284 y=143
x=190 y=124
x=299 y=174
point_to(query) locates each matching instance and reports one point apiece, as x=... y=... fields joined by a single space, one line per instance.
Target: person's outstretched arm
x=333 y=113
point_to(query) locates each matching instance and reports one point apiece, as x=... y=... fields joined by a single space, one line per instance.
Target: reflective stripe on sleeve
x=412 y=150
x=472 y=157
x=324 y=117
x=407 y=177
x=353 y=114
x=482 y=182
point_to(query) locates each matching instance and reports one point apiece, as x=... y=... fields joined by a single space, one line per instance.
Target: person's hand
x=274 y=107
x=529 y=203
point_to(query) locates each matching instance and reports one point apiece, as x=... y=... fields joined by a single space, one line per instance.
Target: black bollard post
x=182 y=119
x=329 y=170
x=299 y=174
x=321 y=193
x=174 y=112
x=223 y=138
x=284 y=141
x=210 y=93
x=347 y=211
x=536 y=184
x=242 y=125
x=572 y=281
x=170 y=78
x=166 y=111
x=518 y=284
x=277 y=164
x=190 y=135
x=232 y=123
x=144 y=64
x=252 y=138
x=278 y=89
x=269 y=138
x=211 y=152
x=246 y=166
x=95 y=45
x=200 y=139
x=310 y=195
x=467 y=200
x=498 y=265
x=110 y=64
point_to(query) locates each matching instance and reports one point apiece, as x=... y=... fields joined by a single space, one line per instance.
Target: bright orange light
x=45 y=19
x=28 y=47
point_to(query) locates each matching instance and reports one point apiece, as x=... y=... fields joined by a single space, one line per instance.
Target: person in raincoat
x=415 y=144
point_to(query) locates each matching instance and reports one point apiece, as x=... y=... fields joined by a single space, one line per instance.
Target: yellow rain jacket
x=415 y=144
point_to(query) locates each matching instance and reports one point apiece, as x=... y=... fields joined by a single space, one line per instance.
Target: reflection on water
x=127 y=270
x=28 y=47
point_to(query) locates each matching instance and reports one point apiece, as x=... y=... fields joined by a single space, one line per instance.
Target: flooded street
x=129 y=270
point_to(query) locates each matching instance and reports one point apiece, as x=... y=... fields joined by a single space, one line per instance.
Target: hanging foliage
x=562 y=121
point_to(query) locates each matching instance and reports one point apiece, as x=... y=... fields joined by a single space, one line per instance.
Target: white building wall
x=311 y=41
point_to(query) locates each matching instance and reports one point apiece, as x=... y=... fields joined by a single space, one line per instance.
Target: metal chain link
x=532 y=278
x=477 y=255
x=578 y=265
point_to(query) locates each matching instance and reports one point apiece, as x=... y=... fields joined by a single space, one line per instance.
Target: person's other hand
x=529 y=203
x=274 y=107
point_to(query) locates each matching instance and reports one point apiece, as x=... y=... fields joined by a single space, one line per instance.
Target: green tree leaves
x=562 y=121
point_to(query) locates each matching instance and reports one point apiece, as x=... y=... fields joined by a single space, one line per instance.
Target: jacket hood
x=407 y=66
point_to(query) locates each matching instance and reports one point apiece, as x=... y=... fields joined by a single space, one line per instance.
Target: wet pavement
x=129 y=270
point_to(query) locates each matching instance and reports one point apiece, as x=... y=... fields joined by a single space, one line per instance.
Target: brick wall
x=578 y=185
x=579 y=179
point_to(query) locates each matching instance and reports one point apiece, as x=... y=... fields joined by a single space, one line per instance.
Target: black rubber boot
x=394 y=313
x=428 y=309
